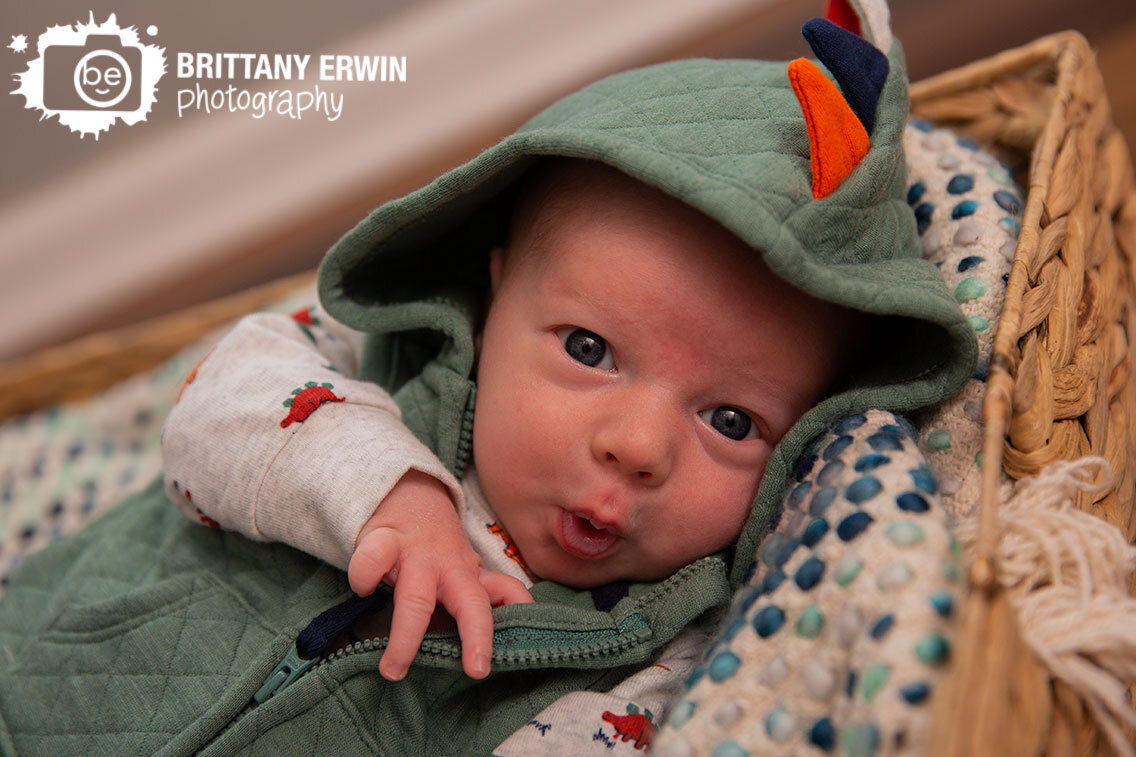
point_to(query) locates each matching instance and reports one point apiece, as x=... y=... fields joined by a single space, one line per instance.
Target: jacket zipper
x=294 y=666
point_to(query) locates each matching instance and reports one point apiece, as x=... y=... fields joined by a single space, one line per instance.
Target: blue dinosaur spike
x=860 y=69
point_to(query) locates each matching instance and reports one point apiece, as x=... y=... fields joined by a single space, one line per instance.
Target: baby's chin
x=594 y=575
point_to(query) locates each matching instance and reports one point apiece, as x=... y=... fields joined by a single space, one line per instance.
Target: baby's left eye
x=730 y=422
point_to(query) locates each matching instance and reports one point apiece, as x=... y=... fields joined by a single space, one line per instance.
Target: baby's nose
x=637 y=444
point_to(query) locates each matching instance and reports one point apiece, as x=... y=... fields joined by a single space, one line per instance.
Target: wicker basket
x=1059 y=385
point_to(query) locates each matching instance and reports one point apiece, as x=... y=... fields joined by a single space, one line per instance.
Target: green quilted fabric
x=145 y=634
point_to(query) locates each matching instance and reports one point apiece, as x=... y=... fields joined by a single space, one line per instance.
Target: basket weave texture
x=1060 y=385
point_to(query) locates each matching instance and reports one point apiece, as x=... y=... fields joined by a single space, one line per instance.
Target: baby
x=559 y=392
x=637 y=366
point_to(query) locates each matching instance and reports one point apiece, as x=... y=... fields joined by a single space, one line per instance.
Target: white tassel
x=1067 y=571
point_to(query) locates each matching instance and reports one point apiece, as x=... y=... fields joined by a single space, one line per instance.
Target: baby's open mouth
x=580 y=537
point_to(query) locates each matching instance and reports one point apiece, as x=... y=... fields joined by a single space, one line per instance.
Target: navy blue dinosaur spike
x=858 y=66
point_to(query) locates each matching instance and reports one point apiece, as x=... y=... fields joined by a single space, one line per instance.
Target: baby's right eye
x=586 y=347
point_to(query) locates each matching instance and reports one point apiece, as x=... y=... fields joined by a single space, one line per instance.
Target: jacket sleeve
x=272 y=436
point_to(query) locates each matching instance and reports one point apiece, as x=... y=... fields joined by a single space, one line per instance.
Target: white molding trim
x=200 y=196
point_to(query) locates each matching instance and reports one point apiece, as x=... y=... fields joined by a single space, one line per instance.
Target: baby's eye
x=586 y=347
x=730 y=422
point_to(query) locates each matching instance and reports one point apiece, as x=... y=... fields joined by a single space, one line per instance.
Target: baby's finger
x=462 y=594
x=373 y=558
x=503 y=589
x=413 y=605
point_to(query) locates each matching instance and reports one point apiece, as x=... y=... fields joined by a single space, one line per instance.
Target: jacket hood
x=728 y=138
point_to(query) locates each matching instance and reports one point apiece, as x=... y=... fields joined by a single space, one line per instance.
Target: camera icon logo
x=97 y=75
x=92 y=75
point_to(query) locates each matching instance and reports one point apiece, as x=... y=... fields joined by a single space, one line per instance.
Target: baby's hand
x=415 y=541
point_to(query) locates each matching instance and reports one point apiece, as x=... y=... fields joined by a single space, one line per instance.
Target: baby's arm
x=272 y=436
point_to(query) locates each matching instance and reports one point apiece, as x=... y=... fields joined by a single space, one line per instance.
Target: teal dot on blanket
x=694 y=677
x=1000 y=175
x=948 y=161
x=915 y=693
x=771 y=549
x=830 y=472
x=811 y=622
x=804 y=466
x=772 y=580
x=923 y=213
x=959 y=183
x=860 y=740
x=1007 y=202
x=768 y=621
x=871 y=462
x=904 y=533
x=970 y=289
x=729 y=748
x=822 y=735
x=1012 y=226
x=809 y=574
x=881 y=625
x=682 y=713
x=797 y=494
x=850 y=683
x=875 y=676
x=964 y=209
x=836 y=447
x=814 y=531
x=982 y=370
x=912 y=502
x=924 y=126
x=780 y=725
x=821 y=500
x=978 y=323
x=915 y=191
x=883 y=441
x=850 y=423
x=863 y=489
x=938 y=440
x=847 y=569
x=943 y=603
x=853 y=525
x=724 y=665
x=969 y=262
x=894 y=576
x=967 y=142
x=923 y=479
x=933 y=649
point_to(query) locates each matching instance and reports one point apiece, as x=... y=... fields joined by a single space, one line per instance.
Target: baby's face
x=636 y=370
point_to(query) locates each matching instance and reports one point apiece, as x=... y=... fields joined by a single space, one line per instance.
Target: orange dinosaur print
x=306 y=401
x=192 y=375
x=304 y=315
x=511 y=550
x=634 y=726
x=304 y=319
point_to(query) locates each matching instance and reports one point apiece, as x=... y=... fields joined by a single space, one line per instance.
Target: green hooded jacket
x=146 y=633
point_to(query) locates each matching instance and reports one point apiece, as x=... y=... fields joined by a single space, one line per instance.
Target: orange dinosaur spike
x=837 y=140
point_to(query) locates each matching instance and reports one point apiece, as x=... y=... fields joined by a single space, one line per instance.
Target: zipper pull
x=290 y=668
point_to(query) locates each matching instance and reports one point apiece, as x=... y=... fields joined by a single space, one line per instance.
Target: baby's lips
x=578 y=536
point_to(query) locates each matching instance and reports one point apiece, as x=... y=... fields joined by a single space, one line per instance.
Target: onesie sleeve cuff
x=329 y=478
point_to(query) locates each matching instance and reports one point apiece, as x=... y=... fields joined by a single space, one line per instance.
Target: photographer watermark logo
x=91 y=75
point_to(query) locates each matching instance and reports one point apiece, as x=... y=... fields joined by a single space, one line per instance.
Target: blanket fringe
x=1066 y=573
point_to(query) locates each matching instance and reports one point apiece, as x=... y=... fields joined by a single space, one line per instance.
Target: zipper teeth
x=447 y=649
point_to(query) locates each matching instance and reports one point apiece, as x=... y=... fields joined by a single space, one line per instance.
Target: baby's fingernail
x=395 y=674
x=481 y=666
